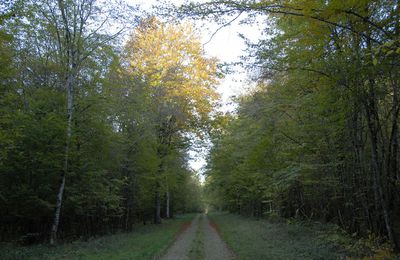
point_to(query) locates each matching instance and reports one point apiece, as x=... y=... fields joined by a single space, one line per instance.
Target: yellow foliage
x=169 y=59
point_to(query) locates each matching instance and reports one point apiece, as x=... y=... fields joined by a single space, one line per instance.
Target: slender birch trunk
x=70 y=66
x=60 y=193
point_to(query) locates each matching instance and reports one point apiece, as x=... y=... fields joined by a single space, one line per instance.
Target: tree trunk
x=167 y=197
x=70 y=67
x=373 y=126
x=127 y=216
x=157 y=213
x=394 y=142
x=56 y=219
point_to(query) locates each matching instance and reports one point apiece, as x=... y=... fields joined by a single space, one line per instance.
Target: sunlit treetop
x=169 y=59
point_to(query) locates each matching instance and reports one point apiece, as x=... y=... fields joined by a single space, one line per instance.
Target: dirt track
x=199 y=241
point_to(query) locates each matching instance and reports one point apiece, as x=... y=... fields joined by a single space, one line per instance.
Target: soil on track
x=214 y=248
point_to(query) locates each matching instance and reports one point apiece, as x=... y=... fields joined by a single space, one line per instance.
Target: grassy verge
x=146 y=242
x=260 y=239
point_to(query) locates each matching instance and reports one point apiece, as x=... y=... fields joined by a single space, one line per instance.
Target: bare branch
x=223 y=26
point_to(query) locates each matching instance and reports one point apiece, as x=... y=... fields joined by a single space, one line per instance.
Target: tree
x=169 y=61
x=328 y=54
x=76 y=42
x=58 y=32
x=113 y=148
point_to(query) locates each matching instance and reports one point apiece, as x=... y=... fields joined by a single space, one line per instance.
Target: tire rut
x=200 y=241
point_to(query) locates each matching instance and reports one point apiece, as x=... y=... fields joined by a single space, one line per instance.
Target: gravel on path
x=179 y=250
x=214 y=247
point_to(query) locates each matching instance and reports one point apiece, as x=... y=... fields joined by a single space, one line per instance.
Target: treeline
x=94 y=135
x=319 y=136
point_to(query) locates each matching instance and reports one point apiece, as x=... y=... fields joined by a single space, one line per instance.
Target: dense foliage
x=318 y=138
x=94 y=133
x=92 y=140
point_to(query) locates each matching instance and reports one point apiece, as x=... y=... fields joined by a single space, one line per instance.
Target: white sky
x=227 y=46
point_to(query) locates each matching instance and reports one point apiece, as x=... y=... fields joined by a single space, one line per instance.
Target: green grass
x=145 y=242
x=259 y=239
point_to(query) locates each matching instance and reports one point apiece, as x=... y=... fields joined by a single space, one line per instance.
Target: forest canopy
x=318 y=138
x=100 y=104
x=94 y=134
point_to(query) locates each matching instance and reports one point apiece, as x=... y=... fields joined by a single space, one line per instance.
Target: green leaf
x=389 y=52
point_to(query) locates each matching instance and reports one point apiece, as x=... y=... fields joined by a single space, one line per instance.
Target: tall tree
x=73 y=31
x=180 y=80
x=344 y=49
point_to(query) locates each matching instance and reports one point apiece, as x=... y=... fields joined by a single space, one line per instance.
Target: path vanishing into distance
x=199 y=240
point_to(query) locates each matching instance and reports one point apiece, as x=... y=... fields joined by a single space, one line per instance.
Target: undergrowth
x=262 y=239
x=145 y=242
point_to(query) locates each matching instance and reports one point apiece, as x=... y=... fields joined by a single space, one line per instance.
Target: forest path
x=199 y=241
